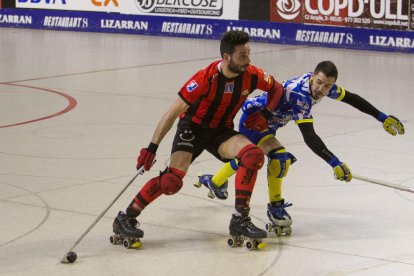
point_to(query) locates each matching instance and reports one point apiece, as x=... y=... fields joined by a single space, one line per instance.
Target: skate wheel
x=288 y=230
x=197 y=184
x=269 y=227
x=136 y=244
x=261 y=245
x=278 y=231
x=211 y=195
x=231 y=242
x=249 y=245
x=113 y=239
x=127 y=243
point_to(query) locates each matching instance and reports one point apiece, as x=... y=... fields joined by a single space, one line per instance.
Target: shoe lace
x=280 y=210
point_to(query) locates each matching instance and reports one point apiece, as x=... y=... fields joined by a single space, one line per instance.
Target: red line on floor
x=71 y=104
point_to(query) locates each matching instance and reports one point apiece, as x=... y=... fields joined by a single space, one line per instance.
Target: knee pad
x=251 y=157
x=279 y=163
x=170 y=183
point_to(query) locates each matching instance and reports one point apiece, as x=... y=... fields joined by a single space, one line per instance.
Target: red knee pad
x=251 y=157
x=170 y=182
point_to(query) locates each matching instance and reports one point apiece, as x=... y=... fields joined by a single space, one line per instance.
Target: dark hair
x=328 y=68
x=232 y=38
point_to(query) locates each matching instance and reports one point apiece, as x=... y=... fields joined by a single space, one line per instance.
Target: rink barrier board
x=202 y=28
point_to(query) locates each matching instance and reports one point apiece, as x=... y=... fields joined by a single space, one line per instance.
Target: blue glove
x=391 y=124
x=341 y=170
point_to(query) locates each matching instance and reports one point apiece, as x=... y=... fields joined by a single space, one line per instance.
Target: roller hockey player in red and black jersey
x=206 y=107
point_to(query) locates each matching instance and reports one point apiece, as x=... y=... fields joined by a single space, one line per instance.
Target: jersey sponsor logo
x=188 y=144
x=15 y=19
x=324 y=37
x=288 y=9
x=65 y=22
x=124 y=24
x=282 y=120
x=268 y=33
x=302 y=104
x=187 y=136
x=389 y=41
x=191 y=86
x=187 y=28
x=183 y=7
x=228 y=87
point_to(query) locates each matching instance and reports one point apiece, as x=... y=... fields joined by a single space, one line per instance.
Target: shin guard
x=251 y=160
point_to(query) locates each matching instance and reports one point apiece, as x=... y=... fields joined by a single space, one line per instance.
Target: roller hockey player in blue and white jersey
x=260 y=125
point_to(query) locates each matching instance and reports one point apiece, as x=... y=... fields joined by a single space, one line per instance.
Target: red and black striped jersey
x=214 y=100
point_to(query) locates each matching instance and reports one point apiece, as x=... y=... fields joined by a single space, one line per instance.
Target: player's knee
x=279 y=162
x=170 y=182
x=251 y=157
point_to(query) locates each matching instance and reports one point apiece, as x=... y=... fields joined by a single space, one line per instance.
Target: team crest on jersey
x=228 y=87
x=268 y=78
x=191 y=86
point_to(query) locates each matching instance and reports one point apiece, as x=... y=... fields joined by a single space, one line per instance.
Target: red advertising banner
x=378 y=14
x=411 y=14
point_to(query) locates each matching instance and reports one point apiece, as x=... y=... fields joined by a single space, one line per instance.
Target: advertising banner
x=202 y=28
x=377 y=14
x=218 y=9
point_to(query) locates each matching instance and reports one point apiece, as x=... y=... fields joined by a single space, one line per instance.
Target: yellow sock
x=224 y=173
x=275 y=174
x=275 y=188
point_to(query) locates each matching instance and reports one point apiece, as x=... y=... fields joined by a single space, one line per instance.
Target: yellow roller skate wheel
x=198 y=184
x=136 y=244
x=261 y=245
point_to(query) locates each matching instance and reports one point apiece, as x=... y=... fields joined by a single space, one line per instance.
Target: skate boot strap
x=133 y=221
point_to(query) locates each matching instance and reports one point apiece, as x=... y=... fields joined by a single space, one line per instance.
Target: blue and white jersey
x=296 y=103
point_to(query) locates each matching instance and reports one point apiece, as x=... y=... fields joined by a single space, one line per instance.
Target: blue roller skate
x=280 y=220
x=220 y=193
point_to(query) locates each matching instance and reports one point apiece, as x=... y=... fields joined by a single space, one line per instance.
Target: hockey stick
x=384 y=183
x=70 y=257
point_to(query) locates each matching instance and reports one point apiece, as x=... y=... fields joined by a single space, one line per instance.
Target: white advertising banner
x=218 y=9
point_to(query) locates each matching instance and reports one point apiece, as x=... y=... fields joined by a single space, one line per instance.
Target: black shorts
x=192 y=138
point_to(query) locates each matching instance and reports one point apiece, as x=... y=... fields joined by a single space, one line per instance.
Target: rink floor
x=75 y=108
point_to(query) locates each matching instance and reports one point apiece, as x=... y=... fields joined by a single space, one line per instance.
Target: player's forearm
x=162 y=129
x=314 y=142
x=361 y=104
x=319 y=148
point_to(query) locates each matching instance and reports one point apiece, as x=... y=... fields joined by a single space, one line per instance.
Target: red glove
x=258 y=120
x=146 y=157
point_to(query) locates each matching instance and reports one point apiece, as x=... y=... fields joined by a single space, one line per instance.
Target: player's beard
x=237 y=69
x=316 y=94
